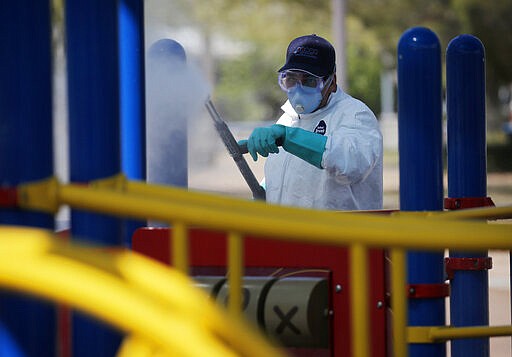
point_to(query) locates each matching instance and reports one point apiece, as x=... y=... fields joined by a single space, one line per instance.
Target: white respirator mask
x=304 y=90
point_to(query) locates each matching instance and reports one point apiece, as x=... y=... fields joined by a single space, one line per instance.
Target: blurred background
x=237 y=47
x=241 y=44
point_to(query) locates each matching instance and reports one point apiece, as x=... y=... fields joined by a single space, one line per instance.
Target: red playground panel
x=208 y=252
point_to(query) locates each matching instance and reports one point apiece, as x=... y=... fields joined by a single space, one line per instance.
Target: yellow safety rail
x=443 y=333
x=181 y=208
x=158 y=308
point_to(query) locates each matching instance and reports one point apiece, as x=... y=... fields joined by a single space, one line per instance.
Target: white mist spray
x=175 y=96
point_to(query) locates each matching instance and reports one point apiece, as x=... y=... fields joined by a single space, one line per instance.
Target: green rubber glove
x=305 y=144
x=263 y=140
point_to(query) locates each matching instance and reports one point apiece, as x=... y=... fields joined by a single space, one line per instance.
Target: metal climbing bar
x=359 y=299
x=450 y=333
x=179 y=245
x=235 y=272
x=432 y=334
x=399 y=302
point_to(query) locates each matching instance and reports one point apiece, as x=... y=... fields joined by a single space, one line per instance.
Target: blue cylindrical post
x=93 y=85
x=27 y=326
x=421 y=169
x=467 y=178
x=132 y=98
x=169 y=99
x=169 y=94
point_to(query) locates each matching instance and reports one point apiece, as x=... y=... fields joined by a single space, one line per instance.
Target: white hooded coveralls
x=351 y=178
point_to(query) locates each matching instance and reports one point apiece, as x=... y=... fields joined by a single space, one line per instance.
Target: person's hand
x=263 y=140
x=305 y=144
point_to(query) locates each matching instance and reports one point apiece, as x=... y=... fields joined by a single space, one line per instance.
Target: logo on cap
x=306 y=52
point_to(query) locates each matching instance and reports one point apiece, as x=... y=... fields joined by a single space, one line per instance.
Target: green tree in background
x=289 y=19
x=245 y=86
x=490 y=21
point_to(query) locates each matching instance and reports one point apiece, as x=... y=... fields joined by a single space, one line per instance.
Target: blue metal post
x=467 y=177
x=93 y=85
x=27 y=326
x=132 y=98
x=421 y=169
x=167 y=121
x=168 y=111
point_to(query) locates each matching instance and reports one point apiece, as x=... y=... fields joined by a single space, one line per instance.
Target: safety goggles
x=289 y=79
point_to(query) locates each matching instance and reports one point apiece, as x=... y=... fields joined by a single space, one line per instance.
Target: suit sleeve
x=353 y=149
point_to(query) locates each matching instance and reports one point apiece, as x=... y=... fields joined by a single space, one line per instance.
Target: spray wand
x=235 y=151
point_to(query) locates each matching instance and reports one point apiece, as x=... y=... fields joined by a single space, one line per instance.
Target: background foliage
x=246 y=88
x=245 y=84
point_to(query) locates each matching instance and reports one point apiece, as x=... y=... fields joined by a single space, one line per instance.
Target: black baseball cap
x=310 y=53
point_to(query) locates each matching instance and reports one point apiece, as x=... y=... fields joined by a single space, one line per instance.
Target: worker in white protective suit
x=332 y=157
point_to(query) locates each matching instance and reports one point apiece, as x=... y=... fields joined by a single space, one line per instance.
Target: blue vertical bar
x=132 y=97
x=167 y=118
x=467 y=177
x=421 y=169
x=93 y=85
x=167 y=122
x=27 y=325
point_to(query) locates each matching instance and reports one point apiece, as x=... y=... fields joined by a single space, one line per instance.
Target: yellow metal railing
x=443 y=333
x=359 y=231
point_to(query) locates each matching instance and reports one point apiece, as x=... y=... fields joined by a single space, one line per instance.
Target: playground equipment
x=30 y=195
x=157 y=308
x=420 y=140
x=132 y=199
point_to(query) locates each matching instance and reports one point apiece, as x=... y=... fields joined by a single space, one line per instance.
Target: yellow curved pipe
x=109 y=300
x=135 y=346
x=113 y=291
x=136 y=269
